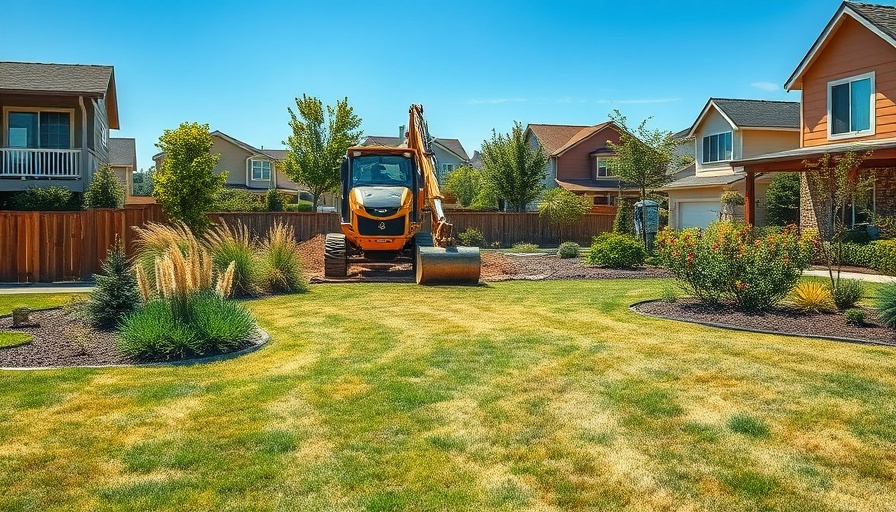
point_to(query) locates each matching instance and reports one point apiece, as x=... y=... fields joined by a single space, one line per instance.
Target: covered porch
x=806 y=159
x=34 y=163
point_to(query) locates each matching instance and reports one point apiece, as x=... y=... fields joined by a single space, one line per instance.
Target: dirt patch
x=60 y=340
x=496 y=266
x=781 y=320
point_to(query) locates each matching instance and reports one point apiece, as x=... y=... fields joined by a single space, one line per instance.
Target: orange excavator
x=385 y=194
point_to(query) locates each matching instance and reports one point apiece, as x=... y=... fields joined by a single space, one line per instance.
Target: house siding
x=714 y=123
x=851 y=51
x=576 y=163
x=232 y=160
x=760 y=142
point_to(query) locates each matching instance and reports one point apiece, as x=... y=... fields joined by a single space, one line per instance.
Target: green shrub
x=856 y=255
x=568 y=250
x=115 y=295
x=237 y=200
x=221 y=325
x=616 y=250
x=471 y=237
x=281 y=266
x=301 y=206
x=847 y=293
x=885 y=256
x=46 y=198
x=885 y=304
x=729 y=262
x=812 y=297
x=652 y=260
x=234 y=244
x=782 y=199
x=524 y=247
x=856 y=236
x=273 y=201
x=854 y=316
x=105 y=191
x=152 y=333
x=624 y=221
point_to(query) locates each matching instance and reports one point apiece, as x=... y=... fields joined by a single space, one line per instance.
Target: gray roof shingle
x=688 y=177
x=881 y=16
x=760 y=113
x=55 y=78
x=123 y=152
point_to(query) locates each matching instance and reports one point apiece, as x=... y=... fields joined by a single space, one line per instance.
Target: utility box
x=647 y=220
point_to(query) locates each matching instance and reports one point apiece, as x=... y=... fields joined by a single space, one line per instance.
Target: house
x=848 y=84
x=579 y=160
x=123 y=161
x=728 y=130
x=54 y=124
x=252 y=169
x=450 y=153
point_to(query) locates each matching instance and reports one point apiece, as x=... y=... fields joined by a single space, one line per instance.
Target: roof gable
x=122 y=152
x=554 y=136
x=879 y=19
x=741 y=114
x=584 y=135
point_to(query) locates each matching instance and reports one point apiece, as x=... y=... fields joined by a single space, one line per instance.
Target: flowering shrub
x=728 y=262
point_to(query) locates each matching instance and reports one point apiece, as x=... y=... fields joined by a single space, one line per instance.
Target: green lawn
x=523 y=395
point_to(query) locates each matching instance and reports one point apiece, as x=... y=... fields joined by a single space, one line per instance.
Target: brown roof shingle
x=554 y=136
x=881 y=16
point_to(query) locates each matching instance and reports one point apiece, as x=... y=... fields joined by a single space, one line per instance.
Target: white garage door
x=697 y=213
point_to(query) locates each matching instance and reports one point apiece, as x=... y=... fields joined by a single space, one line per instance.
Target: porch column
x=750 y=198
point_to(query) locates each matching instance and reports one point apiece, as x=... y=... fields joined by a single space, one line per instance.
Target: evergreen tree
x=782 y=199
x=116 y=294
x=105 y=191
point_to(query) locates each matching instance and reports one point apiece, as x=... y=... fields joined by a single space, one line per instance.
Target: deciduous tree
x=514 y=169
x=186 y=183
x=465 y=183
x=563 y=208
x=319 y=140
x=105 y=191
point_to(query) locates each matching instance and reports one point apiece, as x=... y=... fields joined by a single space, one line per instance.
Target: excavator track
x=335 y=256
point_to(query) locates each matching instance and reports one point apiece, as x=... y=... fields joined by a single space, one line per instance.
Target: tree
x=644 y=157
x=105 y=191
x=143 y=182
x=318 y=143
x=563 y=208
x=514 y=169
x=186 y=184
x=782 y=199
x=115 y=295
x=464 y=182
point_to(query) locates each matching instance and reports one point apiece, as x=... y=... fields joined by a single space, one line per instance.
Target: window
x=717 y=148
x=851 y=106
x=39 y=129
x=261 y=170
x=604 y=167
x=446 y=168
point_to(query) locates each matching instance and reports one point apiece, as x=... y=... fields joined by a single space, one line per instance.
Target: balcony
x=27 y=163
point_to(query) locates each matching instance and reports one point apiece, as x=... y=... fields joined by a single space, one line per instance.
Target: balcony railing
x=40 y=163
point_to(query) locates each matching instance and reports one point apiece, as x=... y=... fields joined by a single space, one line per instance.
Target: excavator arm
x=420 y=142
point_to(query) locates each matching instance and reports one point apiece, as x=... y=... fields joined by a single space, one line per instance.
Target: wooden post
x=750 y=198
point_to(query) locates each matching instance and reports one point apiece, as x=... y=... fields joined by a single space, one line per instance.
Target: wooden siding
x=851 y=51
x=760 y=142
x=576 y=163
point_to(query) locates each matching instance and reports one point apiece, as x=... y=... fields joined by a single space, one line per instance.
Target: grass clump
x=568 y=250
x=847 y=293
x=854 y=316
x=281 y=267
x=524 y=247
x=116 y=294
x=812 y=297
x=886 y=305
x=748 y=425
x=234 y=244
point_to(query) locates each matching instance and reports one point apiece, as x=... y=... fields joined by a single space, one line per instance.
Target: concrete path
x=871 y=278
x=13 y=289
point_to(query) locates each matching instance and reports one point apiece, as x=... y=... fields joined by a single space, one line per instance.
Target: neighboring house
x=848 y=84
x=580 y=160
x=123 y=161
x=54 y=124
x=728 y=130
x=253 y=169
x=450 y=153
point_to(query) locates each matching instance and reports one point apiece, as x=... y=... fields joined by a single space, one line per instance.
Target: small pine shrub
x=568 y=250
x=847 y=293
x=116 y=294
x=885 y=304
x=812 y=297
x=471 y=237
x=50 y=198
x=105 y=190
x=854 y=316
x=228 y=244
x=273 y=201
x=524 y=247
x=616 y=250
x=281 y=266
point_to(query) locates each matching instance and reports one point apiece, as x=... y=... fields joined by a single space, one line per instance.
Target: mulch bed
x=60 y=340
x=780 y=320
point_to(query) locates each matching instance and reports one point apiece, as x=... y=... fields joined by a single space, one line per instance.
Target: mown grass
x=35 y=300
x=541 y=396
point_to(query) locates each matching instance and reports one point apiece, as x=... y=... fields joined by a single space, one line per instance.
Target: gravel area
x=496 y=266
x=781 y=320
x=59 y=340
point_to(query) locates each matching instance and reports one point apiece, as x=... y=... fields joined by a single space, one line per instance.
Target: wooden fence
x=66 y=246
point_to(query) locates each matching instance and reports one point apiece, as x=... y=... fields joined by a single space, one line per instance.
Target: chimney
x=401 y=134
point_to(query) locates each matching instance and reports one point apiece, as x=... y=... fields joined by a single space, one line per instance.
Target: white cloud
x=765 y=86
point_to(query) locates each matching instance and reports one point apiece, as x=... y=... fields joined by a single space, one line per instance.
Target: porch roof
x=791 y=160
x=589 y=185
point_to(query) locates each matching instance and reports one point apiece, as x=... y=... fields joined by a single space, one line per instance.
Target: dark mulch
x=61 y=340
x=502 y=266
x=780 y=320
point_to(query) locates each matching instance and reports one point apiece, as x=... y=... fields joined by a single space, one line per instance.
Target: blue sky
x=475 y=66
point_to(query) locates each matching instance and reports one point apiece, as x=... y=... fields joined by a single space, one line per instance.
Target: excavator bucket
x=448 y=265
